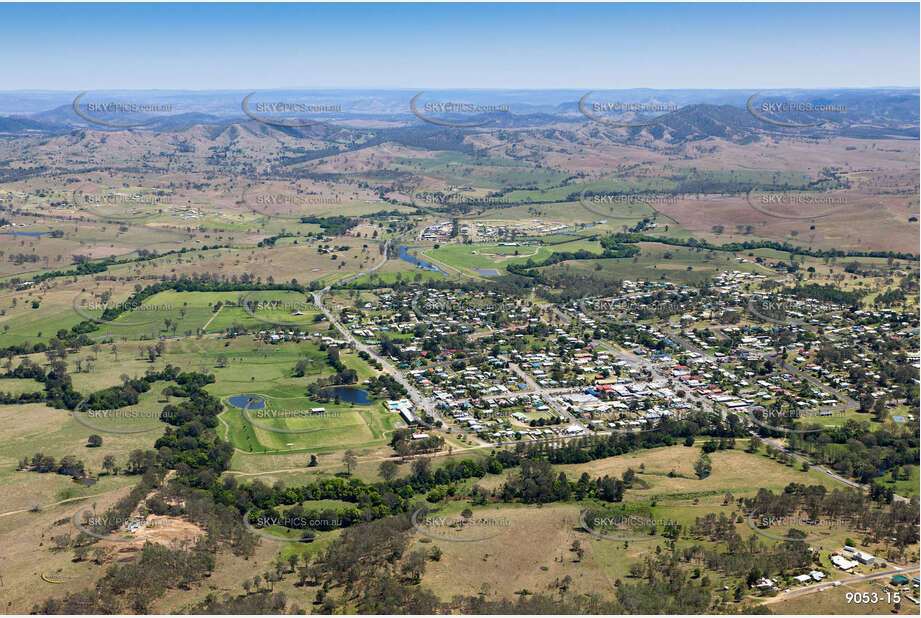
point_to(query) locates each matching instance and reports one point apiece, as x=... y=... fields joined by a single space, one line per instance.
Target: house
x=843 y=563
x=817 y=575
x=764 y=583
x=864 y=558
x=803 y=579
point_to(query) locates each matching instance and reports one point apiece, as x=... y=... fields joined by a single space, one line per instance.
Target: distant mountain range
x=869 y=114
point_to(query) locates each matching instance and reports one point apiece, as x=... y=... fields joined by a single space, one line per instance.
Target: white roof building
x=843 y=563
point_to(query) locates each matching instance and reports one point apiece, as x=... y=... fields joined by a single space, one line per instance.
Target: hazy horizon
x=219 y=46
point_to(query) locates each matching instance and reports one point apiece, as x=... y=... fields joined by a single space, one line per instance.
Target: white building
x=843 y=563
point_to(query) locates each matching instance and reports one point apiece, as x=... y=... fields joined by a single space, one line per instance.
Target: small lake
x=406 y=257
x=488 y=272
x=26 y=233
x=240 y=401
x=348 y=394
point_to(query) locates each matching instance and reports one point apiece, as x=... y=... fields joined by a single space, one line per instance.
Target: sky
x=471 y=45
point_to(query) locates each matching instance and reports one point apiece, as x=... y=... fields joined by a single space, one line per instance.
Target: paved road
x=849 y=403
x=849 y=580
x=822 y=470
x=419 y=400
x=545 y=394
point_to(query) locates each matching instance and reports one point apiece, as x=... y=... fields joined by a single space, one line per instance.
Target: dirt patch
x=172 y=532
x=104 y=252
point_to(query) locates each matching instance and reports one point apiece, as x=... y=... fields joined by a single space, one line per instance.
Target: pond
x=406 y=257
x=25 y=233
x=489 y=272
x=240 y=401
x=348 y=394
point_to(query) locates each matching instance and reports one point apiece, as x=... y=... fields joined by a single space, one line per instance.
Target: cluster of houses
x=766 y=583
x=444 y=311
x=438 y=232
x=280 y=336
x=846 y=560
x=852 y=557
x=626 y=405
x=488 y=376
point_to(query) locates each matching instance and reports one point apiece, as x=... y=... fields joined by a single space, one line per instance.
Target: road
x=545 y=394
x=848 y=403
x=822 y=470
x=419 y=400
x=784 y=596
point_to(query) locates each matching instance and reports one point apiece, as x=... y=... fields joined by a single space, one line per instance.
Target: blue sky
x=582 y=46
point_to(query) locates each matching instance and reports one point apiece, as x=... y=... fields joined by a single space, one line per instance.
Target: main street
x=421 y=403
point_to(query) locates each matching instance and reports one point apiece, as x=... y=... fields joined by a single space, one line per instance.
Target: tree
x=879 y=411
x=387 y=469
x=313 y=462
x=94 y=440
x=414 y=565
x=349 y=459
x=300 y=368
x=108 y=463
x=577 y=549
x=703 y=466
